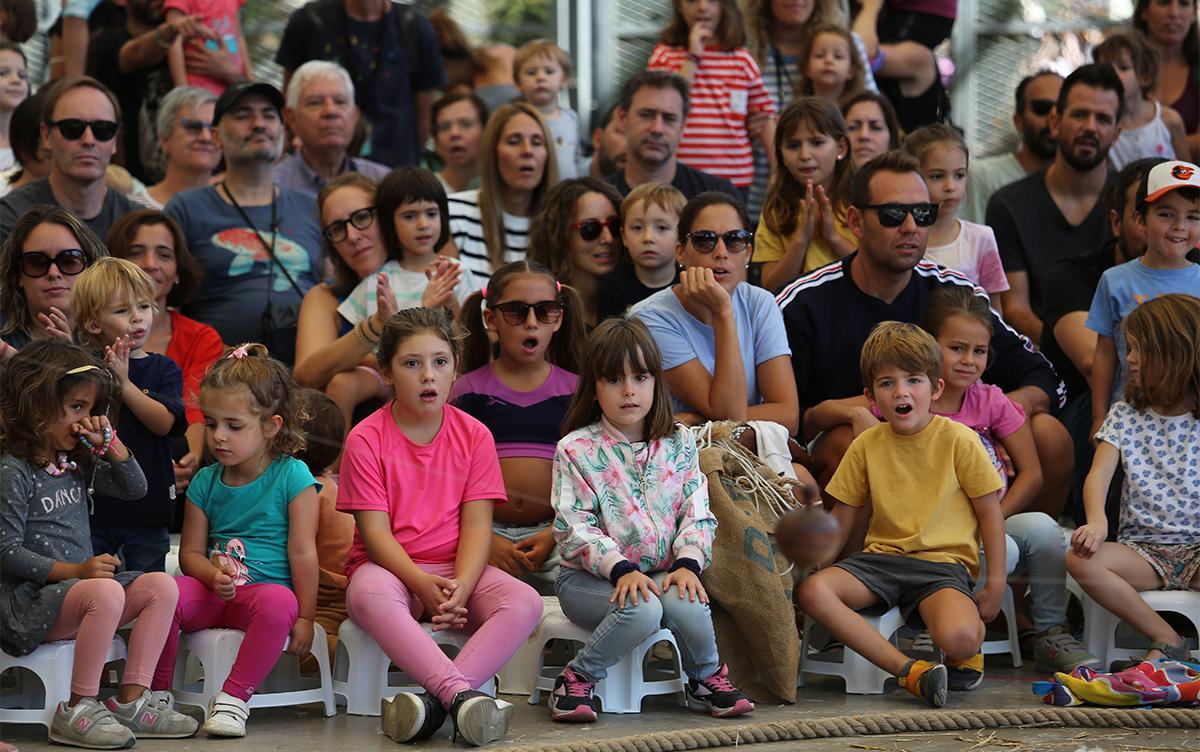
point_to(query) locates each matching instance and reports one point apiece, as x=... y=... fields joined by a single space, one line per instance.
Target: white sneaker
x=226 y=716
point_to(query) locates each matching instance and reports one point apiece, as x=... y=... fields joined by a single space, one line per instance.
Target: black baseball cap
x=236 y=91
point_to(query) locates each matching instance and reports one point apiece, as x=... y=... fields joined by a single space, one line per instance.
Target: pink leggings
x=264 y=612
x=501 y=614
x=91 y=614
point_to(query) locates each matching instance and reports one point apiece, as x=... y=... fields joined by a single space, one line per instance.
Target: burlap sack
x=749 y=592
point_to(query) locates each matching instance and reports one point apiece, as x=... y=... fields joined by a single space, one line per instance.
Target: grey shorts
x=905 y=581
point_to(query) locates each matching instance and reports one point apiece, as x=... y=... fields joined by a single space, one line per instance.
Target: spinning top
x=807 y=536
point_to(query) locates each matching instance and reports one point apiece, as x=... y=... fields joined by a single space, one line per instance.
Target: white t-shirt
x=466 y=228
x=407 y=286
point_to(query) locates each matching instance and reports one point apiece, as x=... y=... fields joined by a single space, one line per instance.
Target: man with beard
x=257 y=243
x=1057 y=212
x=608 y=144
x=1036 y=95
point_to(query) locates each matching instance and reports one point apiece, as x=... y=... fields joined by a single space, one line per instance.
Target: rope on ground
x=883 y=723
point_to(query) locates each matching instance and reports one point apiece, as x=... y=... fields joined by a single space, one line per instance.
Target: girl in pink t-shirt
x=220 y=17
x=421 y=478
x=963 y=246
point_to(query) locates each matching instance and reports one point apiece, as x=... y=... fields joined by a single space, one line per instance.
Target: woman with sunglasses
x=188 y=143
x=39 y=263
x=725 y=351
x=577 y=236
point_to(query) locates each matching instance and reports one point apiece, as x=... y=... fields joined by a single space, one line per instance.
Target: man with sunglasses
x=1036 y=95
x=79 y=125
x=829 y=312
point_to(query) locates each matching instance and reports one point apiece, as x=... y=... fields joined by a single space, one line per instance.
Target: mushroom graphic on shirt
x=247 y=250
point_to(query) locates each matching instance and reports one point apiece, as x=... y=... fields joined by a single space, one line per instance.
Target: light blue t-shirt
x=1125 y=287
x=248 y=525
x=682 y=337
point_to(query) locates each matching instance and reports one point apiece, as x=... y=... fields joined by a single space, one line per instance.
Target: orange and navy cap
x=1166 y=177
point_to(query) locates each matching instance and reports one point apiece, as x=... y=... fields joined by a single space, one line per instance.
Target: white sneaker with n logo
x=153 y=716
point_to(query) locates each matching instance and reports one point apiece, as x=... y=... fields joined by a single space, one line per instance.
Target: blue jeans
x=140 y=548
x=618 y=630
x=1041 y=552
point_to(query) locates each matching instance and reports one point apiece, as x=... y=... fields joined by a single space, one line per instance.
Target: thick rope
x=883 y=723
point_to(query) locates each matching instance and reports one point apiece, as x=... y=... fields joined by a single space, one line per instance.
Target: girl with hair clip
x=522 y=398
x=632 y=522
x=832 y=68
x=248 y=551
x=577 y=236
x=871 y=125
x=705 y=43
x=803 y=223
x=58 y=448
x=1154 y=435
x=421 y=478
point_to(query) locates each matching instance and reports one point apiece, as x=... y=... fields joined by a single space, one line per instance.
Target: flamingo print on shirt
x=232 y=560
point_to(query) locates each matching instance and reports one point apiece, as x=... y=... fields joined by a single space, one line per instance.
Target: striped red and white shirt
x=727 y=86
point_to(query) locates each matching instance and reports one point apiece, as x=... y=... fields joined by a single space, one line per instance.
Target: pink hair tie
x=239 y=352
x=483 y=292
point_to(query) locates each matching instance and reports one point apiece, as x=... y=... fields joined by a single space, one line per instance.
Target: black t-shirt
x=620 y=289
x=1074 y=281
x=21 y=200
x=159 y=377
x=1033 y=235
x=690 y=182
x=828 y=318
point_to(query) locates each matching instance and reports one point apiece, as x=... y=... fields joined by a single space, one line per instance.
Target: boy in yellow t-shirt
x=932 y=490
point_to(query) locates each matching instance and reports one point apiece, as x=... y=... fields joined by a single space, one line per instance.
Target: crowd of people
x=431 y=360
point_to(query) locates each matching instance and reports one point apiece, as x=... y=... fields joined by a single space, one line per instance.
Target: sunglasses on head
x=892 y=215
x=736 y=241
x=516 y=312
x=194 y=127
x=1041 y=107
x=335 y=232
x=37 y=264
x=73 y=128
x=590 y=230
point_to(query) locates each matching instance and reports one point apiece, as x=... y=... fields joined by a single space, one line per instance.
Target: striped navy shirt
x=466 y=228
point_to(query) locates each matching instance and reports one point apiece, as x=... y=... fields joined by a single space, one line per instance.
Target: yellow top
x=920 y=488
x=770 y=246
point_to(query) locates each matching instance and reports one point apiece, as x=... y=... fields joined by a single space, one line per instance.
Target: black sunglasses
x=590 y=230
x=37 y=264
x=516 y=312
x=1041 y=107
x=73 y=128
x=736 y=241
x=335 y=232
x=892 y=215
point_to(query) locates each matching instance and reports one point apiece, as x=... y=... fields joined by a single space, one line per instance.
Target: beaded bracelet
x=360 y=331
x=101 y=450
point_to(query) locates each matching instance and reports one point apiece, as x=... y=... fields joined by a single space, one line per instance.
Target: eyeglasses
x=591 y=229
x=892 y=215
x=736 y=241
x=37 y=264
x=73 y=128
x=1041 y=107
x=516 y=312
x=335 y=232
x=194 y=127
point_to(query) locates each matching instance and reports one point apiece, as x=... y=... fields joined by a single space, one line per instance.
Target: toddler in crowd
x=14 y=88
x=248 y=550
x=542 y=70
x=649 y=219
x=632 y=522
x=1148 y=128
x=421 y=478
x=1168 y=207
x=803 y=223
x=961 y=322
x=1154 y=435
x=224 y=32
x=954 y=243
x=933 y=495
x=58 y=447
x=112 y=302
x=705 y=43
x=522 y=398
x=832 y=68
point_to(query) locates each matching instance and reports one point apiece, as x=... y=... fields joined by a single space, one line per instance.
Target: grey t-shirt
x=21 y=200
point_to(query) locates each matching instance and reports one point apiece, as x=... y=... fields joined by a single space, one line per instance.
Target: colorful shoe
x=572 y=700
x=925 y=680
x=226 y=716
x=89 y=724
x=409 y=717
x=1171 y=652
x=1056 y=650
x=717 y=695
x=480 y=718
x=963 y=676
x=153 y=716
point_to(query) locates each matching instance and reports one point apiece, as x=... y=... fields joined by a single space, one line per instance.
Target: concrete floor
x=304 y=729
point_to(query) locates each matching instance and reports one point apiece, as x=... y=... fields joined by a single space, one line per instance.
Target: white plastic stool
x=519 y=675
x=861 y=676
x=623 y=690
x=1011 y=644
x=1100 y=626
x=360 y=670
x=51 y=663
x=216 y=650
